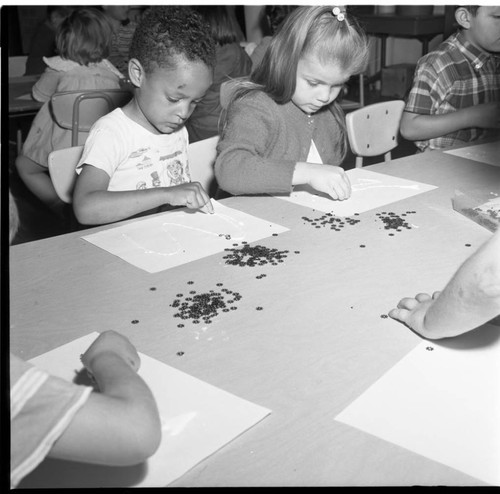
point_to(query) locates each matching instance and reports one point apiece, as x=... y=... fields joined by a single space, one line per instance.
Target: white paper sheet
x=177 y=237
x=441 y=401
x=488 y=153
x=370 y=190
x=197 y=420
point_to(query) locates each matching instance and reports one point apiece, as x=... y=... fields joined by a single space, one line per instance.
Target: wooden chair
x=78 y=110
x=201 y=155
x=373 y=130
x=62 y=164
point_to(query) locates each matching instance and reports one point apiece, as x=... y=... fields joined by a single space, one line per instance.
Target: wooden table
x=21 y=86
x=318 y=343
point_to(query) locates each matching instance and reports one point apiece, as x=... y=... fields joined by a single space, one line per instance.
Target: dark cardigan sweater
x=263 y=141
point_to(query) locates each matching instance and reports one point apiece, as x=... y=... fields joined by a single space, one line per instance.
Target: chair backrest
x=62 y=164
x=17 y=66
x=373 y=130
x=78 y=110
x=201 y=155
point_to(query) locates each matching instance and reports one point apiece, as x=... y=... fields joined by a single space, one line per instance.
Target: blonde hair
x=308 y=30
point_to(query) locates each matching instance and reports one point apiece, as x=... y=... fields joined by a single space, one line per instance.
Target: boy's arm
x=471 y=298
x=93 y=204
x=119 y=425
x=416 y=127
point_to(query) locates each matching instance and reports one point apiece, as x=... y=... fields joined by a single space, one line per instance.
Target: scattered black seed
x=467 y=245
x=192 y=292
x=205 y=306
x=275 y=234
x=429 y=348
x=384 y=316
x=190 y=282
x=153 y=288
x=259 y=308
x=362 y=245
x=180 y=354
x=180 y=325
x=258 y=255
x=393 y=221
x=329 y=220
x=135 y=321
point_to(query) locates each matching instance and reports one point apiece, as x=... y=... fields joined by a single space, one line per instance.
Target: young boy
x=456 y=89
x=470 y=299
x=117 y=426
x=135 y=158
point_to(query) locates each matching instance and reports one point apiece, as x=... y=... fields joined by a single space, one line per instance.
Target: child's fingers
x=208 y=207
x=399 y=314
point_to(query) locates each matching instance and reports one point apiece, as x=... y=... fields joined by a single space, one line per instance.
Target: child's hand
x=485 y=115
x=331 y=180
x=412 y=311
x=191 y=195
x=111 y=342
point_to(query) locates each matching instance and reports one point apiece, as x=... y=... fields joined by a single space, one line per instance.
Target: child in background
x=455 y=96
x=284 y=123
x=118 y=425
x=83 y=44
x=43 y=43
x=471 y=298
x=231 y=62
x=135 y=158
x=123 y=31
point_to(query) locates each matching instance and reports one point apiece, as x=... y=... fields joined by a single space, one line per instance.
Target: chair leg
x=359 y=162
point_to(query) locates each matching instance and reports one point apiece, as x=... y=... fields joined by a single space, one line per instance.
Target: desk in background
x=317 y=344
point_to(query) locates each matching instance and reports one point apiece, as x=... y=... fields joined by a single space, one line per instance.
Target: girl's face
x=165 y=98
x=318 y=83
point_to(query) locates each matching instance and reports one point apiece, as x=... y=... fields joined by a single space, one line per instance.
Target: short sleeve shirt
x=457 y=75
x=41 y=408
x=133 y=157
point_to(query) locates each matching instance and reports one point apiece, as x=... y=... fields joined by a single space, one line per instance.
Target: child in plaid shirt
x=455 y=96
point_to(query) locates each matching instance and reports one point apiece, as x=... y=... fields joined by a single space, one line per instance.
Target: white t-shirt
x=134 y=157
x=313 y=156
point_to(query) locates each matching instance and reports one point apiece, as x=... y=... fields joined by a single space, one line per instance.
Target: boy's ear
x=135 y=72
x=462 y=16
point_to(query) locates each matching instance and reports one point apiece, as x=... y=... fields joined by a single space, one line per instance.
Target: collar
x=476 y=56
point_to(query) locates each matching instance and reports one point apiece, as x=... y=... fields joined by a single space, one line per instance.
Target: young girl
x=83 y=45
x=283 y=126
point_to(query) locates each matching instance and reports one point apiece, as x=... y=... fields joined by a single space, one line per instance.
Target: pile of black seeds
x=203 y=307
x=329 y=220
x=393 y=221
x=257 y=255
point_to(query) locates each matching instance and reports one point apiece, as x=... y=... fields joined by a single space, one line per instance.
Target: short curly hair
x=166 y=32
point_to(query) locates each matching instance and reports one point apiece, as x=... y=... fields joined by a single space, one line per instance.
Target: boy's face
x=166 y=98
x=317 y=83
x=484 y=30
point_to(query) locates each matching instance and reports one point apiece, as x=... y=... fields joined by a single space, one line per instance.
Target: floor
x=37 y=222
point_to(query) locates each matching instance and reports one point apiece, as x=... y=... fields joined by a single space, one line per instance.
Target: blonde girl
x=283 y=126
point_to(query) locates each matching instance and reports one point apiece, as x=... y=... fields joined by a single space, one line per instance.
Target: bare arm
x=94 y=204
x=471 y=298
x=119 y=425
x=416 y=127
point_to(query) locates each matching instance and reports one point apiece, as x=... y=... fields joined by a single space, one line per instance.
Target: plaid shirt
x=456 y=75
